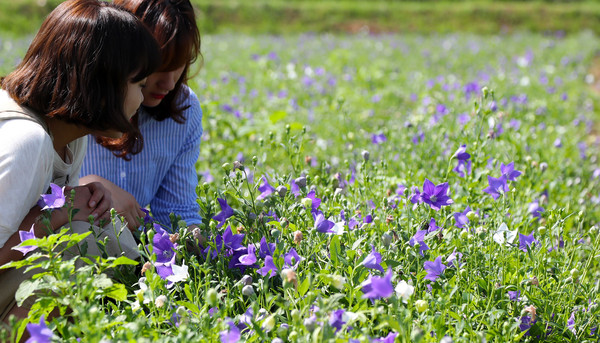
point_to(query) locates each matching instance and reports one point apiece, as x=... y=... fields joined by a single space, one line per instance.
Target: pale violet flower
x=180 y=273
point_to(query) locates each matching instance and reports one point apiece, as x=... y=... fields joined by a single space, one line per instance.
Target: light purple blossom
x=390 y=338
x=514 y=295
x=265 y=188
x=435 y=196
x=321 y=224
x=454 y=259
x=378 y=287
x=434 y=269
x=266 y=249
x=54 y=200
x=527 y=241
x=164 y=250
x=25 y=235
x=497 y=186
x=226 y=212
x=509 y=171
x=419 y=237
x=373 y=260
x=535 y=209
x=39 y=333
x=292 y=259
x=337 y=320
x=269 y=268
x=249 y=258
x=464 y=162
x=232 y=335
x=461 y=218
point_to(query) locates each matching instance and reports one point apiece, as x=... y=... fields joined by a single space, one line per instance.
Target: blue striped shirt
x=163 y=175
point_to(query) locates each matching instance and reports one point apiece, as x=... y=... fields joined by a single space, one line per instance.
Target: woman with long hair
x=163 y=175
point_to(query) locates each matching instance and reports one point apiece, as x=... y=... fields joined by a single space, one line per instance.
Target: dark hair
x=173 y=24
x=79 y=64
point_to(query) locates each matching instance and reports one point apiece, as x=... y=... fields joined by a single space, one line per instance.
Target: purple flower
x=415 y=196
x=454 y=257
x=378 y=138
x=316 y=202
x=294 y=188
x=509 y=171
x=378 y=287
x=461 y=218
x=571 y=323
x=368 y=219
x=514 y=295
x=373 y=260
x=292 y=259
x=432 y=226
x=232 y=242
x=25 y=235
x=226 y=212
x=269 y=268
x=337 y=320
x=165 y=252
x=39 y=333
x=232 y=335
x=435 y=196
x=250 y=257
x=390 y=338
x=419 y=237
x=56 y=198
x=321 y=224
x=265 y=188
x=497 y=186
x=526 y=324
x=434 y=269
x=464 y=164
x=527 y=241
x=266 y=249
x=535 y=209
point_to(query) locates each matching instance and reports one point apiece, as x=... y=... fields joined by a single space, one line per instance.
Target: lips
x=157 y=96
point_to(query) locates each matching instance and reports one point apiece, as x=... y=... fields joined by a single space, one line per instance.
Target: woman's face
x=133 y=99
x=159 y=85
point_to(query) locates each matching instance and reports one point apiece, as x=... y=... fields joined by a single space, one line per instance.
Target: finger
x=104 y=205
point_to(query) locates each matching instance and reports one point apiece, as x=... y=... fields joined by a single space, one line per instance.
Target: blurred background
x=23 y=17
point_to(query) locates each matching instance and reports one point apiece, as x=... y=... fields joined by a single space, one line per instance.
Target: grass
x=277 y=16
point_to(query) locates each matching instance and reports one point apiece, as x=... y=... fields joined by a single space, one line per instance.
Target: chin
x=110 y=134
x=151 y=102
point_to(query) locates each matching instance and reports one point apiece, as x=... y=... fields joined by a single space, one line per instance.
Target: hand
x=122 y=201
x=90 y=199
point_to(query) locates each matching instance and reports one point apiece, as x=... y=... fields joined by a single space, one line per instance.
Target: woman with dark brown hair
x=163 y=175
x=82 y=74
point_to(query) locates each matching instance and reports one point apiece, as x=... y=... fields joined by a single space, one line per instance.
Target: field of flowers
x=367 y=189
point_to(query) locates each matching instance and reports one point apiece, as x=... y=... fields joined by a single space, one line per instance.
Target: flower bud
x=306 y=202
x=574 y=273
x=473 y=217
x=212 y=297
x=145 y=267
x=542 y=230
x=421 y=305
x=173 y=237
x=365 y=155
x=275 y=233
x=160 y=300
x=226 y=167
x=248 y=290
x=246 y=280
x=338 y=282
x=269 y=323
x=282 y=191
x=289 y=275
x=310 y=324
x=297 y=237
x=543 y=166
x=295 y=315
x=301 y=181
x=238 y=165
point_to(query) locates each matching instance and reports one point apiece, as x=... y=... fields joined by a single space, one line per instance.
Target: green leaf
x=123 y=260
x=334 y=249
x=303 y=288
x=117 y=292
x=26 y=289
x=102 y=281
x=277 y=116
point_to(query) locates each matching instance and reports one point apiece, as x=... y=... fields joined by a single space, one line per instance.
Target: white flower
x=404 y=290
x=179 y=273
x=338 y=228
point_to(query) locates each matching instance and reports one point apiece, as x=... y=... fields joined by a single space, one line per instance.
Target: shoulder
x=23 y=135
x=193 y=111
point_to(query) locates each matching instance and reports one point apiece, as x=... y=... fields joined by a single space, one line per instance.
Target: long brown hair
x=78 y=66
x=173 y=24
